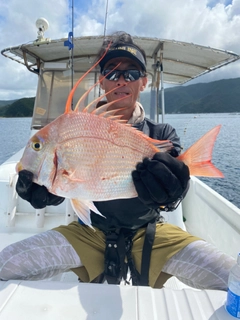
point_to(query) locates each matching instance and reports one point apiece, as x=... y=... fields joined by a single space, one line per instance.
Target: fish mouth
x=19 y=167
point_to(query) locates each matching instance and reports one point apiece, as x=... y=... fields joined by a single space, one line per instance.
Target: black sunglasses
x=129 y=75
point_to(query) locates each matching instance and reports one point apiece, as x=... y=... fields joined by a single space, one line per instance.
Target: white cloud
x=206 y=22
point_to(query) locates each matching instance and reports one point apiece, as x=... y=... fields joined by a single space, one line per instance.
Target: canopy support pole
x=162 y=95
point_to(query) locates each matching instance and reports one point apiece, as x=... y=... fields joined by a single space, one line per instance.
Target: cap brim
x=121 y=53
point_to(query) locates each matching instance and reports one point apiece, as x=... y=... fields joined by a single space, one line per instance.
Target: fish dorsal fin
x=80 y=103
x=92 y=105
x=160 y=145
x=104 y=112
x=71 y=94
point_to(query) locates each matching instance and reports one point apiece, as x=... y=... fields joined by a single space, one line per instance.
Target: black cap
x=129 y=51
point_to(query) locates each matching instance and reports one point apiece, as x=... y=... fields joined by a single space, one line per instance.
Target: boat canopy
x=181 y=61
x=168 y=61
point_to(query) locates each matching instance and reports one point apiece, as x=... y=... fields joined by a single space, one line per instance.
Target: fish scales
x=100 y=154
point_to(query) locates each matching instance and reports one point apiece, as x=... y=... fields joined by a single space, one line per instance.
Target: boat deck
x=71 y=300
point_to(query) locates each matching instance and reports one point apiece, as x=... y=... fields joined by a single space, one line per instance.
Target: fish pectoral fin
x=82 y=209
x=69 y=175
x=92 y=207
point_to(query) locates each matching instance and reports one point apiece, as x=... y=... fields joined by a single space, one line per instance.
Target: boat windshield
x=52 y=93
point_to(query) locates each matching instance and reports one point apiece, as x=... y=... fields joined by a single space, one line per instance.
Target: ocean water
x=15 y=132
x=226 y=152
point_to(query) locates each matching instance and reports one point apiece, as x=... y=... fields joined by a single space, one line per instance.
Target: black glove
x=37 y=195
x=160 y=181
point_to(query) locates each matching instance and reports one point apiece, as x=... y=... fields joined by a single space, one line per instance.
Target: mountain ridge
x=213 y=97
x=219 y=96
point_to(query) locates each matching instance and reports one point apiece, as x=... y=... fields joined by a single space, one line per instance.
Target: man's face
x=128 y=89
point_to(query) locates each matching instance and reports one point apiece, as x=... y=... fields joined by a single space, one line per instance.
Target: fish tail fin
x=198 y=157
x=70 y=96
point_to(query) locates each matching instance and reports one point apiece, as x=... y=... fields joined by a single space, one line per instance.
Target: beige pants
x=196 y=263
x=90 y=246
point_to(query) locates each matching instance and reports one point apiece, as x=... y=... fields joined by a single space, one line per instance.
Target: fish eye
x=37 y=146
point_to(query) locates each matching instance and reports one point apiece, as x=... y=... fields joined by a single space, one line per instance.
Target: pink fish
x=88 y=155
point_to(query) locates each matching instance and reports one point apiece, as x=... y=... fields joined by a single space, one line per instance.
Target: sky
x=204 y=22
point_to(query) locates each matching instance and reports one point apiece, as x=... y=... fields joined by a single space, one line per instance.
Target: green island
x=213 y=97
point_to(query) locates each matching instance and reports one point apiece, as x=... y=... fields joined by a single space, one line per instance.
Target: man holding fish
x=118 y=222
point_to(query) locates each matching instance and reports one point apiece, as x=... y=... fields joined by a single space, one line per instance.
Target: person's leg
x=201 y=265
x=38 y=257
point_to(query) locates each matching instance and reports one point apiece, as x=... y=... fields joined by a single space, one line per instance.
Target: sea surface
x=15 y=132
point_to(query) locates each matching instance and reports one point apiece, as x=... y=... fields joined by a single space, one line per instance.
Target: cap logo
x=124 y=50
x=129 y=49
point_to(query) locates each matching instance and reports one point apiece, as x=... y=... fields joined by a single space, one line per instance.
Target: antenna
x=72 y=55
x=70 y=44
x=104 y=34
x=105 y=22
x=42 y=25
